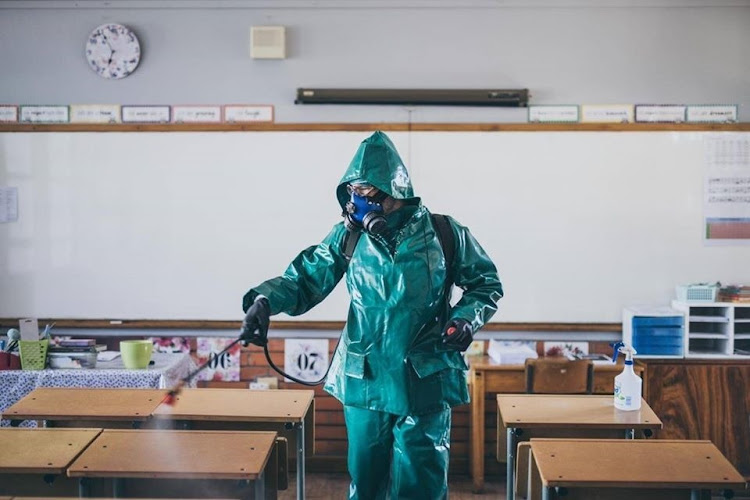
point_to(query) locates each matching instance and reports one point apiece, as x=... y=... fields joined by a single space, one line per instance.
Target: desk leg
x=260 y=485
x=83 y=487
x=117 y=487
x=695 y=494
x=630 y=434
x=477 y=431
x=510 y=466
x=301 y=460
x=545 y=492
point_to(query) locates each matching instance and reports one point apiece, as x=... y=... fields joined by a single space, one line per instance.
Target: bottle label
x=620 y=397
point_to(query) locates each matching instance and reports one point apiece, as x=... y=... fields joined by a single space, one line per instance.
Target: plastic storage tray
x=658 y=335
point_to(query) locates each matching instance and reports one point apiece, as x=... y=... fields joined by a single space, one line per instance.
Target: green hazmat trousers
x=391 y=371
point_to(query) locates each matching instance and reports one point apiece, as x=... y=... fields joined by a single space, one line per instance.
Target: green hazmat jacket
x=391 y=357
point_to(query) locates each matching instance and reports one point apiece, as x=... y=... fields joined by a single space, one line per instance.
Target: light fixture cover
x=430 y=97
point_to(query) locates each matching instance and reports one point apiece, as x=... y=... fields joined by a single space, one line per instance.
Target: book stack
x=734 y=293
x=76 y=343
x=73 y=353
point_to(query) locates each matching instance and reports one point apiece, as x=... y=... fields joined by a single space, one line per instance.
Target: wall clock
x=113 y=51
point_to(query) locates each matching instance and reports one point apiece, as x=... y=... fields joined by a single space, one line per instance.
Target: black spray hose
x=303 y=382
x=171 y=396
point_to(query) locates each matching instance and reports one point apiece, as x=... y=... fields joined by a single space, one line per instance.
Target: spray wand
x=171 y=396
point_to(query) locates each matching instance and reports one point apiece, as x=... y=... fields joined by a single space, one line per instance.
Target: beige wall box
x=268 y=42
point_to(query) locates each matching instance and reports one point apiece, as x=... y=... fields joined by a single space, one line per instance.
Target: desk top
x=41 y=451
x=572 y=411
x=633 y=463
x=486 y=363
x=239 y=405
x=86 y=404
x=167 y=454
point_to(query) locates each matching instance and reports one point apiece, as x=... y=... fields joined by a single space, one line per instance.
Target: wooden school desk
x=34 y=461
x=560 y=415
x=142 y=461
x=246 y=409
x=618 y=469
x=488 y=377
x=77 y=406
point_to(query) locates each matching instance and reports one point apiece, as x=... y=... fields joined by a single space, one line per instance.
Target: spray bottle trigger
x=616 y=346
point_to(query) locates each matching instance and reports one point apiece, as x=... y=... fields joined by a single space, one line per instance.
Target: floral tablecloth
x=166 y=371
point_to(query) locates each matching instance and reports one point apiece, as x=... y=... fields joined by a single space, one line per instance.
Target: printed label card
x=224 y=367
x=306 y=359
x=553 y=114
x=8 y=113
x=196 y=114
x=247 y=113
x=45 y=114
x=145 y=114
x=94 y=113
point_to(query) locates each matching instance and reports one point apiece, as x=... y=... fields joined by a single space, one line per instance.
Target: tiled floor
x=334 y=486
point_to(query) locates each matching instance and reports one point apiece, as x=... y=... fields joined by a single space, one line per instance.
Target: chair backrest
x=559 y=376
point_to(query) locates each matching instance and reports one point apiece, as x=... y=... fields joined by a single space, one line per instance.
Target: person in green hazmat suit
x=398 y=368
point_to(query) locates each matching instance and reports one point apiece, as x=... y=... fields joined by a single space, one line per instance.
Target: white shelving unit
x=715 y=329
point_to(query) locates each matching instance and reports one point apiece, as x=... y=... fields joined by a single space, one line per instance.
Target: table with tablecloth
x=166 y=371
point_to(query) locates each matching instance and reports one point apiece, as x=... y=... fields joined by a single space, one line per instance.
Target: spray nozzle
x=622 y=347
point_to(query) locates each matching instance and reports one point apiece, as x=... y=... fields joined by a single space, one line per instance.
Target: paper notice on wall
x=8 y=204
x=171 y=344
x=570 y=350
x=221 y=367
x=306 y=359
x=726 y=207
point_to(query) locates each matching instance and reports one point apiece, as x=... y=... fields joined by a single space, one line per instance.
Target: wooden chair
x=559 y=376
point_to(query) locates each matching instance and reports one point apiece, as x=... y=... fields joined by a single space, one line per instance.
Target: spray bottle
x=627 y=384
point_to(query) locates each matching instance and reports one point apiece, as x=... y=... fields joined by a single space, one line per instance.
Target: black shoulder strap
x=448 y=244
x=350 y=243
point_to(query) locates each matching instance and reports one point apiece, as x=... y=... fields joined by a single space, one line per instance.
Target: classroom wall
x=595 y=51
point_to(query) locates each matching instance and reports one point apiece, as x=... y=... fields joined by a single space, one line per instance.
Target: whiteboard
x=178 y=225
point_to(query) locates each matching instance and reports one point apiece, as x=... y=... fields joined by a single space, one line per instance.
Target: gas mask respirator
x=364 y=212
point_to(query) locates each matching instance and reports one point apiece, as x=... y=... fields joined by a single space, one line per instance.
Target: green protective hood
x=378 y=163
